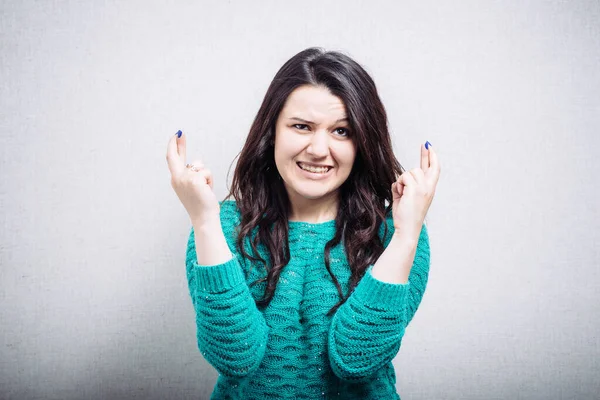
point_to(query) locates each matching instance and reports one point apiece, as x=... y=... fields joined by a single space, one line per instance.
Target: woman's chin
x=311 y=194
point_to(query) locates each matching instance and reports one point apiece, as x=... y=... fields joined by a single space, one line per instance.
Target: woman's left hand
x=413 y=193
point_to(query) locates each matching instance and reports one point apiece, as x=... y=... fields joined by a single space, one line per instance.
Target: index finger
x=424 y=158
x=176 y=154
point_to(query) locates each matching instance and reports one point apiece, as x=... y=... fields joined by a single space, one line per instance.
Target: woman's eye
x=342 y=131
x=300 y=126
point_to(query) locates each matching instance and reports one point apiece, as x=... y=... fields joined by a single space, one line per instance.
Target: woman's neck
x=313 y=211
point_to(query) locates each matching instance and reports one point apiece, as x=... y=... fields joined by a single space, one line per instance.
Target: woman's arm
x=211 y=246
x=231 y=332
x=367 y=330
x=395 y=263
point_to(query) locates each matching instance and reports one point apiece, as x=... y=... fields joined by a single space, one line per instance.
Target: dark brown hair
x=262 y=198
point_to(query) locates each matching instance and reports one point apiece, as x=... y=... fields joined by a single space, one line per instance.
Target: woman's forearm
x=232 y=333
x=211 y=246
x=395 y=263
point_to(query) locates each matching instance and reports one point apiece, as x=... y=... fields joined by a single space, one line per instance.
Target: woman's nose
x=319 y=144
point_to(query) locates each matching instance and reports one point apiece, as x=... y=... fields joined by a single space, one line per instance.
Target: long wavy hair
x=261 y=195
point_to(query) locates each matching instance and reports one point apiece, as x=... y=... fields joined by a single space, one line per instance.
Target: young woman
x=304 y=283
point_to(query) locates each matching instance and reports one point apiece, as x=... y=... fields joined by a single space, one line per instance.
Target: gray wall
x=93 y=297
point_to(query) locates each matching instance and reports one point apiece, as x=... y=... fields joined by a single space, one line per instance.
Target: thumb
x=397 y=190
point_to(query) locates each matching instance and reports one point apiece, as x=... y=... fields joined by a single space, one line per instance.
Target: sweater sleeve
x=231 y=332
x=366 y=331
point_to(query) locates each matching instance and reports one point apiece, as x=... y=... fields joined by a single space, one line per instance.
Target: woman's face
x=314 y=149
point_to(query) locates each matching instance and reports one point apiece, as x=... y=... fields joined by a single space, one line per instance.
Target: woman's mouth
x=314 y=171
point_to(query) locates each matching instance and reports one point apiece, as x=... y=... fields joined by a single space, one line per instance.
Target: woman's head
x=321 y=85
x=321 y=108
x=314 y=149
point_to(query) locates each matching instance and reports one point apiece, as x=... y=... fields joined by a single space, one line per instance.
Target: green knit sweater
x=292 y=349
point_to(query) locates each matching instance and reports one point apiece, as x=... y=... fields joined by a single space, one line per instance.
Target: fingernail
x=178 y=134
x=427 y=144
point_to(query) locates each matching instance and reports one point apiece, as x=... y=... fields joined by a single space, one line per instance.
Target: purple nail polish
x=427 y=144
x=178 y=134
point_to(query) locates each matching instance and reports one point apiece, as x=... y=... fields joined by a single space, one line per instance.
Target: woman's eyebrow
x=304 y=121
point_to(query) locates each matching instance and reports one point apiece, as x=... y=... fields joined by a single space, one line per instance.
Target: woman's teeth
x=318 y=170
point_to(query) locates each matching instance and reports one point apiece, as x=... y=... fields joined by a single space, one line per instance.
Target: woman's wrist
x=207 y=224
x=395 y=263
x=211 y=245
x=403 y=239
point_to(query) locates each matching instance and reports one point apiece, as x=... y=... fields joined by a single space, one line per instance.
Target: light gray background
x=93 y=297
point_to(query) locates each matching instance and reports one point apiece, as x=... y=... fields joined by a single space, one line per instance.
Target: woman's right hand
x=194 y=189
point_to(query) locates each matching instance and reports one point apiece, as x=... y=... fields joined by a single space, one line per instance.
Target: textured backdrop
x=93 y=297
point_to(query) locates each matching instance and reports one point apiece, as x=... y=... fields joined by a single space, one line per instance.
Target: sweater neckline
x=312 y=224
x=326 y=227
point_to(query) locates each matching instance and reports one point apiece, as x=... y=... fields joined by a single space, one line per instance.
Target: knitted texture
x=292 y=349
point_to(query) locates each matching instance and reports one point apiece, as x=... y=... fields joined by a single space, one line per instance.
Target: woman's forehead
x=314 y=103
